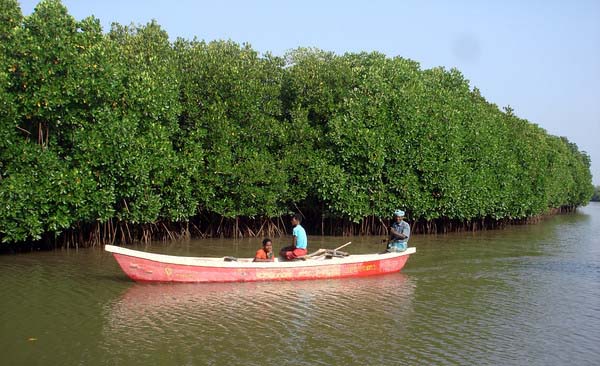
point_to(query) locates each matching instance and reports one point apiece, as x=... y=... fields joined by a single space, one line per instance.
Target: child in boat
x=300 y=244
x=265 y=254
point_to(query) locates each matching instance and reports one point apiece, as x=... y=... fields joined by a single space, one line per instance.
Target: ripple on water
x=315 y=315
x=526 y=295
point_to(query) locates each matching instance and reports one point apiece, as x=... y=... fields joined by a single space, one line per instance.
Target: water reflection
x=224 y=323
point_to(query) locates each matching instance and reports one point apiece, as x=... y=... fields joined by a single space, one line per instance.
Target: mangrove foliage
x=125 y=135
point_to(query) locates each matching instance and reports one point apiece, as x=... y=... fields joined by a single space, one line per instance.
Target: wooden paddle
x=340 y=247
x=321 y=252
x=318 y=252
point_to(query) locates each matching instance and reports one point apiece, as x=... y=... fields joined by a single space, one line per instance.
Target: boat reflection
x=160 y=298
x=200 y=319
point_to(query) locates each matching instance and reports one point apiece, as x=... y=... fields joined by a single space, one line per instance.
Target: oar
x=334 y=253
x=323 y=251
x=340 y=247
x=318 y=252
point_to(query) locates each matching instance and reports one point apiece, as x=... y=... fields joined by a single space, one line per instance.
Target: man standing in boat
x=399 y=233
x=300 y=241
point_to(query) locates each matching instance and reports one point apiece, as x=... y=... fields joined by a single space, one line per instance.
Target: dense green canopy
x=130 y=127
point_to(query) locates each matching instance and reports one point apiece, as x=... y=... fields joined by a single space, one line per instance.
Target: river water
x=524 y=295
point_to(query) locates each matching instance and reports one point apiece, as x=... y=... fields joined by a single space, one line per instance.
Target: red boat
x=151 y=267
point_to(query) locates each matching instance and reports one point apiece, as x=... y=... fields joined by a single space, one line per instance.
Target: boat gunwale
x=219 y=262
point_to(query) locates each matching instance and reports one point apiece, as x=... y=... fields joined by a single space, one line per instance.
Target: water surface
x=525 y=295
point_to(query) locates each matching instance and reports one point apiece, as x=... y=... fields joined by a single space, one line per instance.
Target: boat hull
x=148 y=267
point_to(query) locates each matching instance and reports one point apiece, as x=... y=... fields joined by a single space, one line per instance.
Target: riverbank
x=118 y=233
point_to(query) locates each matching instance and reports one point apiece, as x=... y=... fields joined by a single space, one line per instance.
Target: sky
x=541 y=58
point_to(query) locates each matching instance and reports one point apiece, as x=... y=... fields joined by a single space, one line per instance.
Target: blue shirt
x=301 y=239
x=402 y=227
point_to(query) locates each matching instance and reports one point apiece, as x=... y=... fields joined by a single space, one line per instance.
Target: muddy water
x=525 y=295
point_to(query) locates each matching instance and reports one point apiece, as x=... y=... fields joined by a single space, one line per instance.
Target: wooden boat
x=151 y=267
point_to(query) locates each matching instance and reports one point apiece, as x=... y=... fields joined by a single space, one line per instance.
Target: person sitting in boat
x=300 y=242
x=399 y=233
x=265 y=254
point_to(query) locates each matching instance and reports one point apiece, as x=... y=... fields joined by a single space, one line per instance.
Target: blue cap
x=399 y=213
